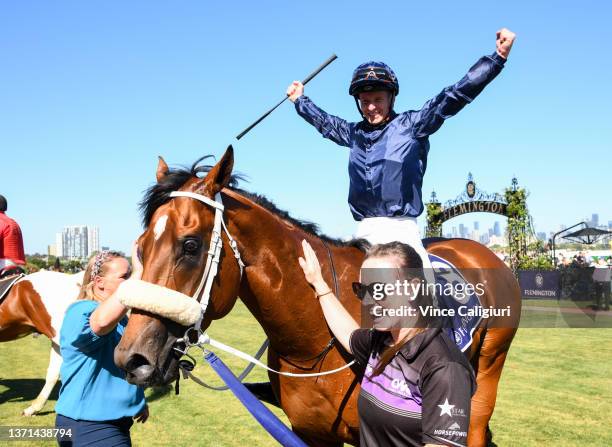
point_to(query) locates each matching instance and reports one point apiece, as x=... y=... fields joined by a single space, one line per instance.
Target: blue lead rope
x=264 y=416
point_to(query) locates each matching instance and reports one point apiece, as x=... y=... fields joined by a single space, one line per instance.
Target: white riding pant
x=380 y=230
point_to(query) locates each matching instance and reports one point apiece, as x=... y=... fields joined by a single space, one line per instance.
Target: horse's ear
x=220 y=175
x=162 y=169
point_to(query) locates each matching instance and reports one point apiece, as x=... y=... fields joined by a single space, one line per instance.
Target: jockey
x=388 y=151
x=12 y=255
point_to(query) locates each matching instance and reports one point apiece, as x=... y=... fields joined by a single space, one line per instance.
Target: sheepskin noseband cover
x=159 y=300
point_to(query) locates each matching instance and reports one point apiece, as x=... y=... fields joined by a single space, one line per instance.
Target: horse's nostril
x=136 y=361
x=139 y=371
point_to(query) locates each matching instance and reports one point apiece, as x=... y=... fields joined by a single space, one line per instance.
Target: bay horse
x=37 y=304
x=322 y=410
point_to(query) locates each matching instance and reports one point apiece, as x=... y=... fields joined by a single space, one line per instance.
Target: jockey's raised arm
x=388 y=151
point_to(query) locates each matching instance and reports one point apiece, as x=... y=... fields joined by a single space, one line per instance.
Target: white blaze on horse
x=36 y=303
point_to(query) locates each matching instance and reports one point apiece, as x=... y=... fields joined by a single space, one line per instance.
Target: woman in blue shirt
x=96 y=403
x=388 y=151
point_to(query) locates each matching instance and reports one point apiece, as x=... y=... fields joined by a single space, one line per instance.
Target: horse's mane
x=158 y=194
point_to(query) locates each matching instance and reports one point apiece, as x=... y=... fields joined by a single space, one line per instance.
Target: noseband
x=214 y=251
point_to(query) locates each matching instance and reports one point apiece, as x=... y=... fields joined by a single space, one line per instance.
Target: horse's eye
x=191 y=246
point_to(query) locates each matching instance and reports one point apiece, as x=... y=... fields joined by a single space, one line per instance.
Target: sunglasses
x=361 y=290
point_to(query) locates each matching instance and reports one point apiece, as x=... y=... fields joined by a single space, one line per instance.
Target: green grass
x=556 y=389
x=562 y=314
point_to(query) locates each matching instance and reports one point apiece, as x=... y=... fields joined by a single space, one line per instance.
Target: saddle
x=8 y=282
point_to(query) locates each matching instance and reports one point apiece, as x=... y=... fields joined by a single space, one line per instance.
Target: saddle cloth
x=7 y=283
x=461 y=326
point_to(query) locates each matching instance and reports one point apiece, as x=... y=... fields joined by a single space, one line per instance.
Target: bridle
x=208 y=276
x=214 y=252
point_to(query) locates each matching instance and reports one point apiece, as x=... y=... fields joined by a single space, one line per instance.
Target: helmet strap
x=357 y=104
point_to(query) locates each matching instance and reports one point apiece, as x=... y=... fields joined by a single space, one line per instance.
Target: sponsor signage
x=540 y=283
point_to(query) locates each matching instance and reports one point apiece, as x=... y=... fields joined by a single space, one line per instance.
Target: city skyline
x=88 y=132
x=76 y=242
x=497 y=230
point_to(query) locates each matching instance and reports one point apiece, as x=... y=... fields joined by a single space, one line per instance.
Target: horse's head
x=174 y=250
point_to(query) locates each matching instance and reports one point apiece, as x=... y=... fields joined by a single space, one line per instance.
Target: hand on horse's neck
x=270 y=291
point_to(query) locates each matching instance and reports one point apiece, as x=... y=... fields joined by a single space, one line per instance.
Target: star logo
x=446 y=408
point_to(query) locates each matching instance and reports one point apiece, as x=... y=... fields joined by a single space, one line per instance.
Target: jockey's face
x=376 y=105
x=117 y=271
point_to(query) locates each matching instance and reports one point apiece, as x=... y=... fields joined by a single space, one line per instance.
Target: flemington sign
x=478 y=206
x=471 y=200
x=540 y=283
x=511 y=203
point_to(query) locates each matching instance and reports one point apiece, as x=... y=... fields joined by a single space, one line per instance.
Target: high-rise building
x=77 y=242
x=496 y=229
x=93 y=240
x=59 y=245
x=462 y=231
x=595 y=220
x=476 y=226
x=74 y=242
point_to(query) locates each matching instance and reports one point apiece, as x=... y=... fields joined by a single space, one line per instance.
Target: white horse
x=36 y=304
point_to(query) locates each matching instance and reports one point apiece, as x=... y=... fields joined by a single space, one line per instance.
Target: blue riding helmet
x=372 y=76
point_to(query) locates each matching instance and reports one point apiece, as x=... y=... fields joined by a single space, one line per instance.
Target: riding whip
x=332 y=58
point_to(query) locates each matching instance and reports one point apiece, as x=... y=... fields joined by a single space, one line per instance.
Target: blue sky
x=92 y=92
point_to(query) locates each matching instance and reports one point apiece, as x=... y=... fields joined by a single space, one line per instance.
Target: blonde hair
x=96 y=266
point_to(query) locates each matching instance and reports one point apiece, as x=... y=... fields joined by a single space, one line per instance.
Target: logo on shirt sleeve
x=446 y=408
x=451 y=410
x=453 y=431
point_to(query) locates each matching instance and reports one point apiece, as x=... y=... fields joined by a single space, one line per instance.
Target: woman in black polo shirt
x=417 y=385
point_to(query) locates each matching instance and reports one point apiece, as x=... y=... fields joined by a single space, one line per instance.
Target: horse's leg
x=55 y=361
x=491 y=360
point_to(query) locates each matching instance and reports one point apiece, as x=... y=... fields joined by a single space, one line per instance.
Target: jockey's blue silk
x=93 y=387
x=387 y=162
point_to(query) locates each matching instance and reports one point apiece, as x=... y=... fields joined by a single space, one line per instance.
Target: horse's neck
x=274 y=289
